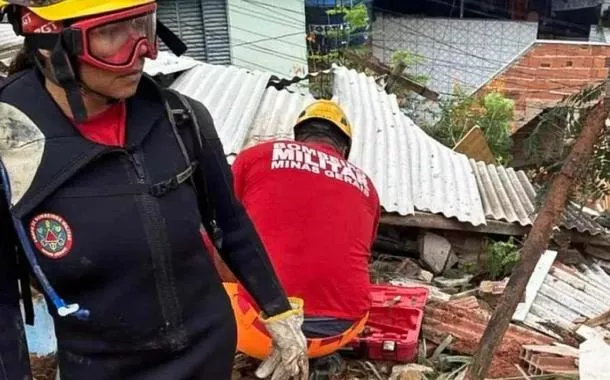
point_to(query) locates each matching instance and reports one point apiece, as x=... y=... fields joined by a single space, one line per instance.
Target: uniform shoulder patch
x=51 y=235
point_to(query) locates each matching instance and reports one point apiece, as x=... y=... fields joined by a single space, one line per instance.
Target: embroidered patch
x=51 y=235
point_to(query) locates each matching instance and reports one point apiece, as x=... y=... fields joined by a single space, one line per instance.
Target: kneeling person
x=317 y=215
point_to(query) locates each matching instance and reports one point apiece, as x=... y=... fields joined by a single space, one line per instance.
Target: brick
x=562 y=74
x=520 y=72
x=558 y=49
x=599 y=50
x=543 y=49
x=545 y=97
x=599 y=74
x=519 y=83
x=599 y=62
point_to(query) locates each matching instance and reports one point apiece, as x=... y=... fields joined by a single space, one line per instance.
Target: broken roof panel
x=276 y=115
x=232 y=95
x=568 y=294
x=508 y=195
x=410 y=170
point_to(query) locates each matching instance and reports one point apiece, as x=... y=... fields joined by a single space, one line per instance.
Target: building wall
x=548 y=72
x=268 y=35
x=463 y=51
x=202 y=25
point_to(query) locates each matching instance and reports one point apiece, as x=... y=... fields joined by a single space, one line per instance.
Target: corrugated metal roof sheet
x=508 y=195
x=568 y=294
x=232 y=95
x=276 y=115
x=168 y=63
x=409 y=169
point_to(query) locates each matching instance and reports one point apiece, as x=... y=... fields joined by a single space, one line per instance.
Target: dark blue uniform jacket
x=135 y=260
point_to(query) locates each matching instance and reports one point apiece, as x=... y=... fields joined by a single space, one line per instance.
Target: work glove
x=288 y=358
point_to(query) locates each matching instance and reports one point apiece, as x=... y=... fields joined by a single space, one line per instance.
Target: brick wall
x=547 y=72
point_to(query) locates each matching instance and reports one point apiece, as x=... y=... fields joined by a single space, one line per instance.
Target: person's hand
x=288 y=358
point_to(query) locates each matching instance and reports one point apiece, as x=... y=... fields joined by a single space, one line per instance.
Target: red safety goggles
x=113 y=41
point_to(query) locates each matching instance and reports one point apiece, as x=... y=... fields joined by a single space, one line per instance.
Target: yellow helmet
x=57 y=10
x=327 y=110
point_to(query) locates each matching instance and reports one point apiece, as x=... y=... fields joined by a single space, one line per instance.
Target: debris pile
x=566 y=306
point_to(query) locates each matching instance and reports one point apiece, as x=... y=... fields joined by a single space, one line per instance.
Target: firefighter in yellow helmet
x=317 y=214
x=104 y=185
x=325 y=119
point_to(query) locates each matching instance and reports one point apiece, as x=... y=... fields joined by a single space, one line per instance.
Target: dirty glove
x=288 y=359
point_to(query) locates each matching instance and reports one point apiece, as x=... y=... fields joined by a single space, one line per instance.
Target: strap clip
x=162 y=188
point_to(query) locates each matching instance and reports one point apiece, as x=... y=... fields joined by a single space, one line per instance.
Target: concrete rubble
x=436 y=253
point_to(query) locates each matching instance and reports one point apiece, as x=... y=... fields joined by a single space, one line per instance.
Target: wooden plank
x=535 y=282
x=435 y=221
x=556 y=350
x=535 y=323
x=601 y=319
x=475 y=146
x=374 y=64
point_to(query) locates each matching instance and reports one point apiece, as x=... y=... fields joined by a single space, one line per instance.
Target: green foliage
x=410 y=60
x=502 y=256
x=492 y=112
x=357 y=17
x=559 y=128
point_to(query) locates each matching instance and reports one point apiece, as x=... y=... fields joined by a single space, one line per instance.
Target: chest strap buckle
x=160 y=189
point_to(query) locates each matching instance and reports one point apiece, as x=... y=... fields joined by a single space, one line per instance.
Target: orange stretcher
x=254 y=341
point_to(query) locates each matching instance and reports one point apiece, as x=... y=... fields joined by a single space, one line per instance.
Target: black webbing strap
x=170 y=39
x=181 y=117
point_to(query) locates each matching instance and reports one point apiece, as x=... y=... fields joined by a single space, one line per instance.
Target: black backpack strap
x=182 y=117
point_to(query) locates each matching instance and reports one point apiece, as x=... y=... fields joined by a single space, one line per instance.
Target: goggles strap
x=170 y=39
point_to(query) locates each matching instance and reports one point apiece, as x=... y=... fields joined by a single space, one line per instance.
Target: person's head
x=97 y=46
x=324 y=122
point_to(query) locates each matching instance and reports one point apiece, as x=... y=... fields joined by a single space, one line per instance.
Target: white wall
x=464 y=51
x=268 y=35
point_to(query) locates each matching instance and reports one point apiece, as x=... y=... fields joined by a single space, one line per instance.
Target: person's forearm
x=245 y=256
x=241 y=249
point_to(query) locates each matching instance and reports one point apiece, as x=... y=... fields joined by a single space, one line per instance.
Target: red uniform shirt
x=108 y=127
x=317 y=216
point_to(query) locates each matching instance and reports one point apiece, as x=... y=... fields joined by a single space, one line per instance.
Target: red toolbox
x=392 y=330
x=400 y=297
